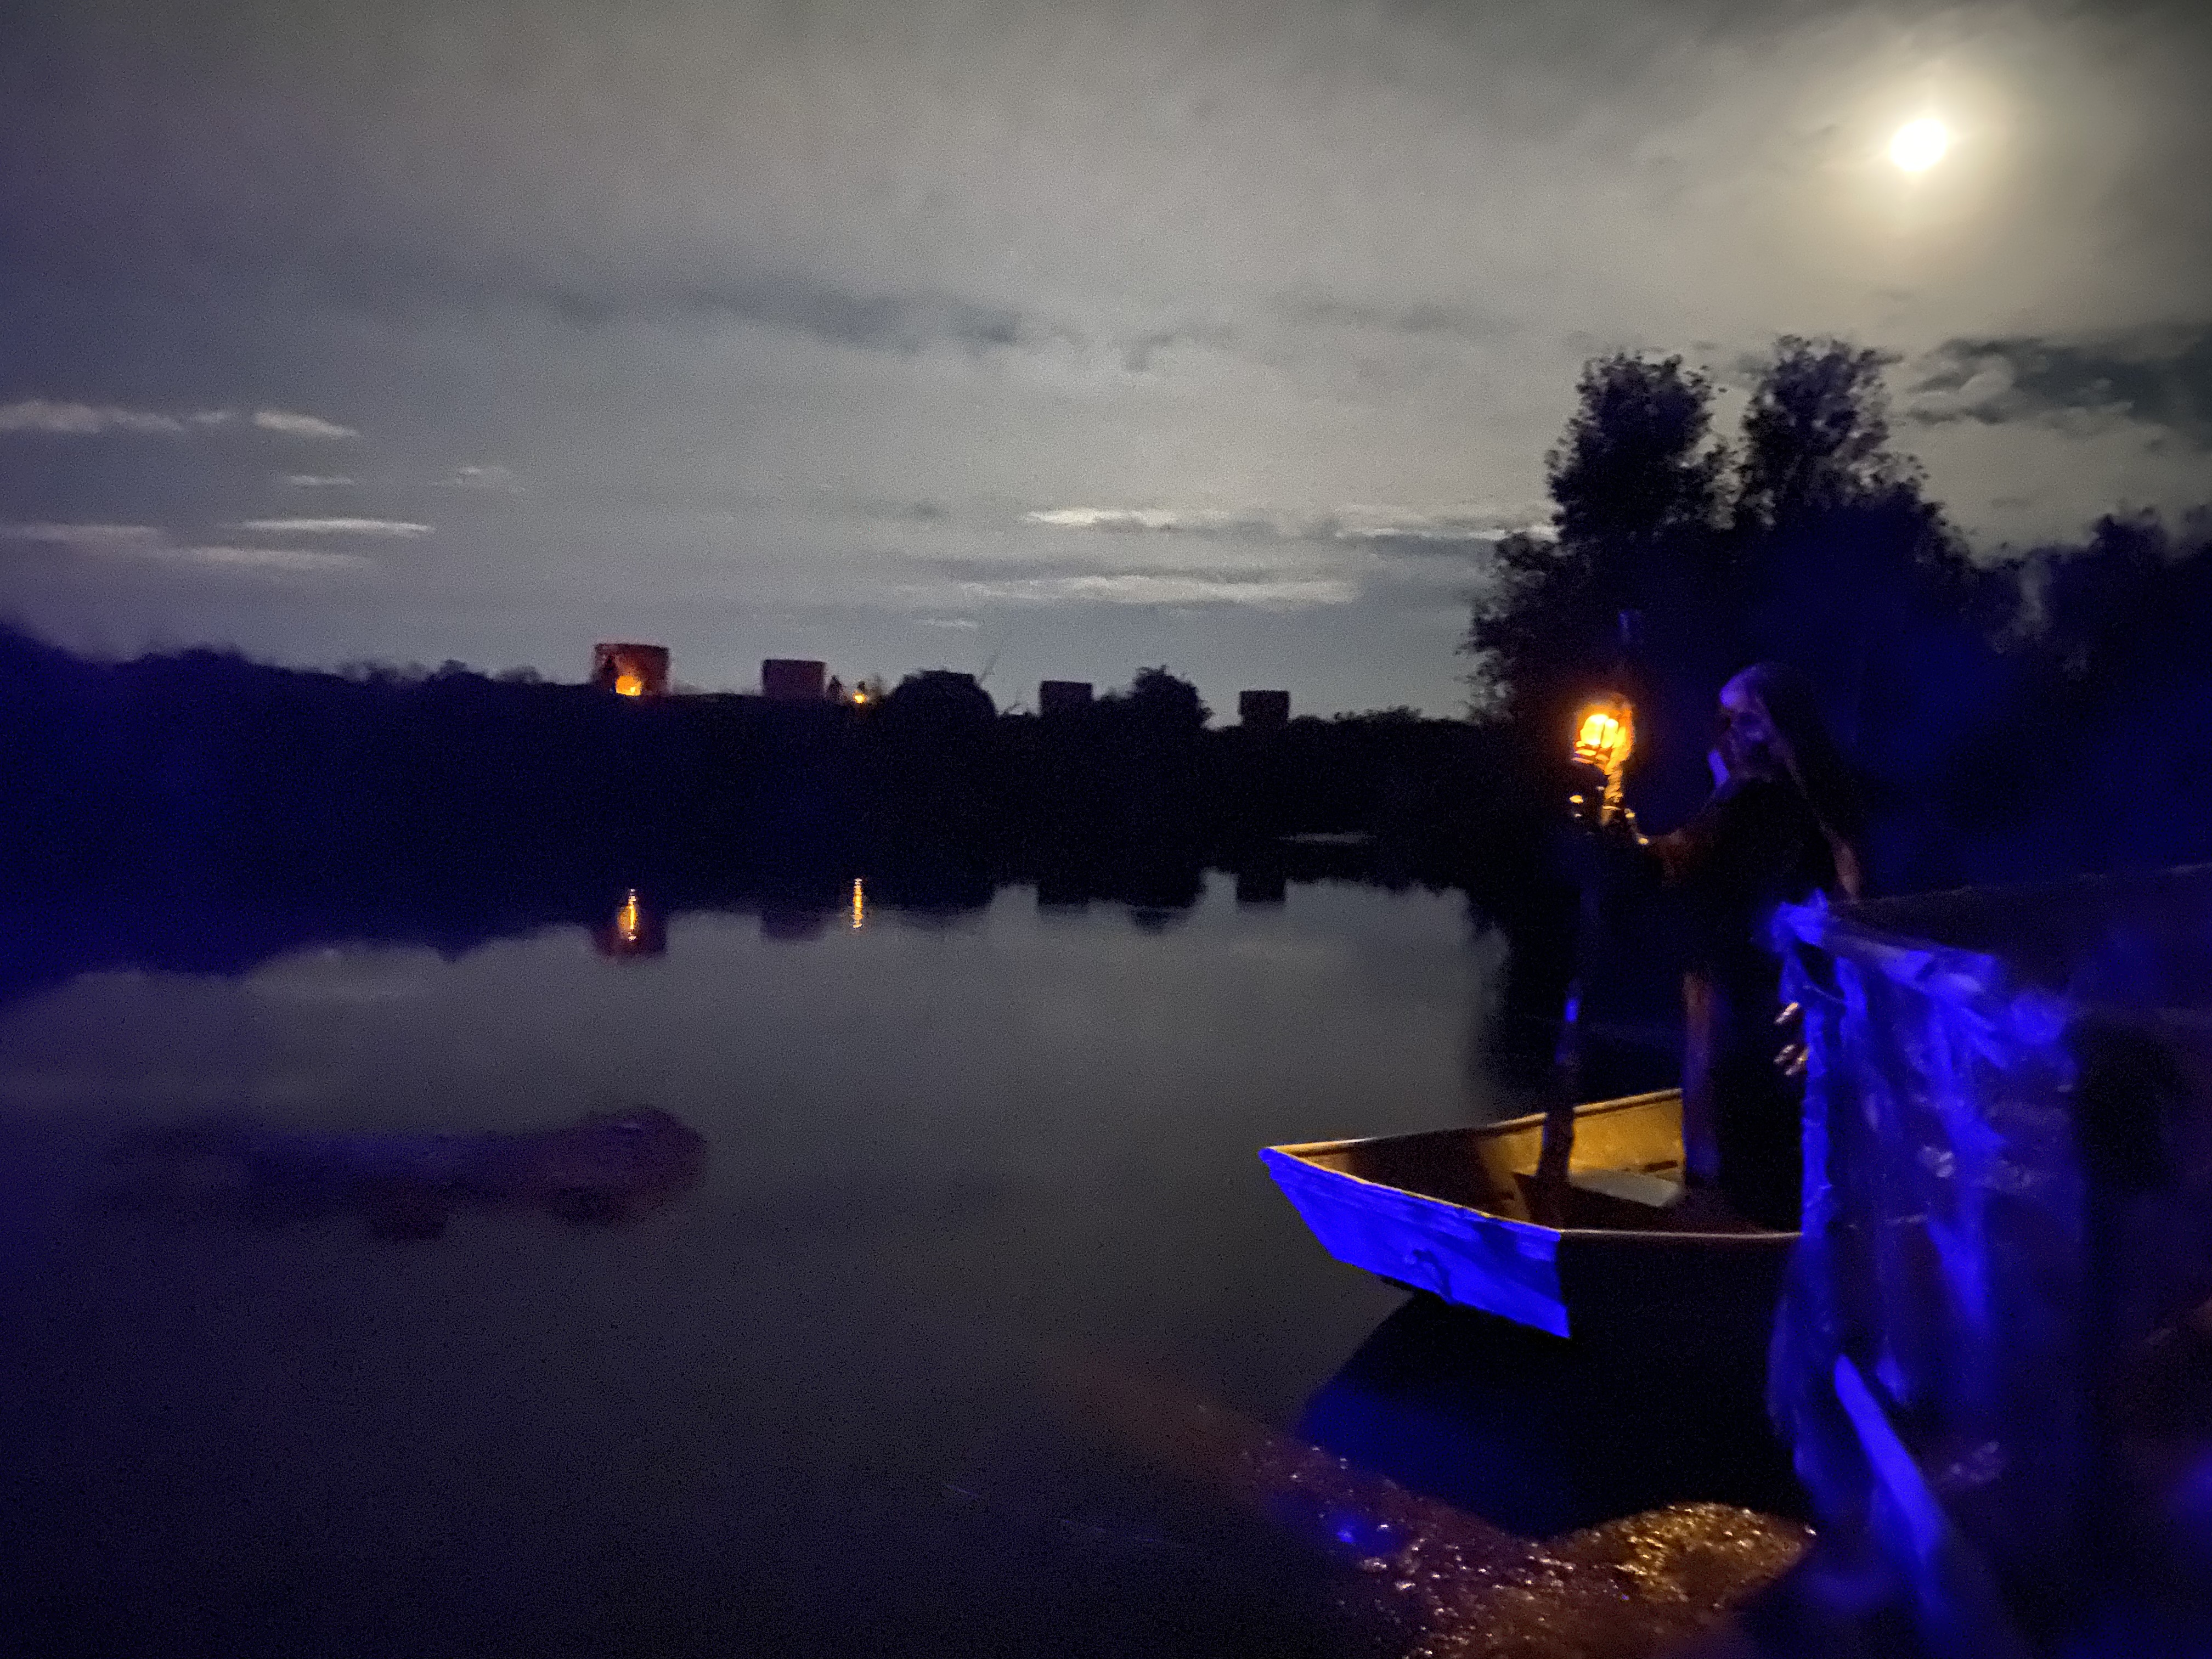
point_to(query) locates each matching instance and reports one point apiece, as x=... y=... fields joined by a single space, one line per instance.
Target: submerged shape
x=607 y=1167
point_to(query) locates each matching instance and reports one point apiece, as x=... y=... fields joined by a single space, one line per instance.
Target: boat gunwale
x=1635 y=1238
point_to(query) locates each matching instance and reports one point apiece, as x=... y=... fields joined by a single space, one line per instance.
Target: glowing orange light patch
x=629 y=685
x=860 y=904
x=1605 y=732
x=630 y=921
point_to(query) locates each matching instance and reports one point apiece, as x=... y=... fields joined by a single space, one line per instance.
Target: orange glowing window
x=629 y=685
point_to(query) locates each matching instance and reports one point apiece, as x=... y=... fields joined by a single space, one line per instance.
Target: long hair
x=1815 y=765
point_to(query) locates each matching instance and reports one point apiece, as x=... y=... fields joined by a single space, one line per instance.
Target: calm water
x=968 y=1177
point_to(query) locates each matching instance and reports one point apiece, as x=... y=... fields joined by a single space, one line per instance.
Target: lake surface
x=975 y=1183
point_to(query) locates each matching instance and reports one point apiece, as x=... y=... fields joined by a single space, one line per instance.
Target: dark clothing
x=1755 y=844
x=1752 y=845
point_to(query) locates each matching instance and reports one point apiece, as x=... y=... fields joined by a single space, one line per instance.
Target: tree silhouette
x=1678 y=559
x=1629 y=577
x=1162 y=704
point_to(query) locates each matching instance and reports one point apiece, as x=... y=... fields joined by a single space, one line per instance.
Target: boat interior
x=1626 y=1173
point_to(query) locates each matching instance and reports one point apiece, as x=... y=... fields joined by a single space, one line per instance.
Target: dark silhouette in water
x=605 y=1168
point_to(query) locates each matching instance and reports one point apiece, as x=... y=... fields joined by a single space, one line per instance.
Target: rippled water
x=844 y=1395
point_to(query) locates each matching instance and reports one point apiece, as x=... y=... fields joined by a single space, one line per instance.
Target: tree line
x=2014 y=717
x=203 y=769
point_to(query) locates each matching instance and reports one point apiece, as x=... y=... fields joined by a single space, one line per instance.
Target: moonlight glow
x=1919 y=145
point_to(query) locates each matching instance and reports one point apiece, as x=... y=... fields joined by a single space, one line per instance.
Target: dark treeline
x=2024 y=716
x=201 y=770
x=198 y=811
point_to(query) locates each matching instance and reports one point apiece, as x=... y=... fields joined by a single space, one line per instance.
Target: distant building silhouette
x=634 y=671
x=1063 y=696
x=1266 y=709
x=794 y=679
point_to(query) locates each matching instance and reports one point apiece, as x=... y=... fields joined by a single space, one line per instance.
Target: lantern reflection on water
x=634 y=930
x=859 y=905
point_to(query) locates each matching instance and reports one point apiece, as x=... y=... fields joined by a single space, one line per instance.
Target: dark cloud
x=1421 y=318
x=2158 y=377
x=391 y=283
x=1137 y=355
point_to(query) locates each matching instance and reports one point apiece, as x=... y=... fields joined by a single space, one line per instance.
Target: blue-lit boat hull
x=1446 y=1212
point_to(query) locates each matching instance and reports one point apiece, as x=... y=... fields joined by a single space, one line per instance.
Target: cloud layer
x=852 y=328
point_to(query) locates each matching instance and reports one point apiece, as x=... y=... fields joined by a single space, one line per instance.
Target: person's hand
x=1791 y=1057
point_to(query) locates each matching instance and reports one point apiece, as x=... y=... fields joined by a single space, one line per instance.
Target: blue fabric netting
x=2007 y=1191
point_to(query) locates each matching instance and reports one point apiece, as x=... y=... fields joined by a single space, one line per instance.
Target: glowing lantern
x=629 y=685
x=1605 y=735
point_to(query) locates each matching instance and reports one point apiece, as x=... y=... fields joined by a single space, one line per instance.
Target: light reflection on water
x=799 y=1407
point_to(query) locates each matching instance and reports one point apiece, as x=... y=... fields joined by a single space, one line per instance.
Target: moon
x=1919 y=145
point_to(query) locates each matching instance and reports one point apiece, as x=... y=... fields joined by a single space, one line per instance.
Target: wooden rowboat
x=1448 y=1213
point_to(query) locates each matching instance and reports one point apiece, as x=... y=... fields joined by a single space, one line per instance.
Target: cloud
x=82 y=535
x=293 y=425
x=2158 y=377
x=1168 y=587
x=291 y=559
x=282 y=560
x=1187 y=520
x=902 y=323
x=81 y=420
x=1427 y=320
x=319 y=480
x=1408 y=529
x=141 y=541
x=487 y=475
x=49 y=415
x=396 y=529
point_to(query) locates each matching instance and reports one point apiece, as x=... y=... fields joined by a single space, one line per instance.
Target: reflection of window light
x=860 y=904
x=629 y=685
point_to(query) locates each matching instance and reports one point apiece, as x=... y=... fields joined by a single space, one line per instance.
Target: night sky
x=1065 y=337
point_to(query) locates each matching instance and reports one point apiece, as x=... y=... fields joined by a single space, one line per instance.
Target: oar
x=1564 y=1090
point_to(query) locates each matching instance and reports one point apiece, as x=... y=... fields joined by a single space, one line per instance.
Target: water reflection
x=636 y=929
x=736 y=1427
x=1538 y=1436
x=1433 y=1579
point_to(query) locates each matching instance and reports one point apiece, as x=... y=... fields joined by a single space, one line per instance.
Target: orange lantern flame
x=1605 y=734
x=629 y=685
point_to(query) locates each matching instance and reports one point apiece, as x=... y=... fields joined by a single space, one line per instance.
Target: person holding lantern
x=1783 y=821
